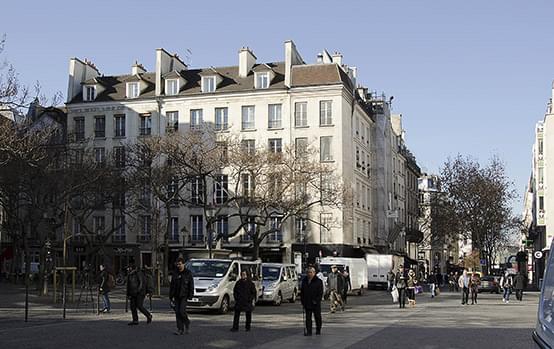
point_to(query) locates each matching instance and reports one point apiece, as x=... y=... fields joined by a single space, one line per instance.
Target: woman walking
x=474 y=283
x=412 y=283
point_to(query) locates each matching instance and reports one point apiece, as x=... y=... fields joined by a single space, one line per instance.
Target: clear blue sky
x=470 y=77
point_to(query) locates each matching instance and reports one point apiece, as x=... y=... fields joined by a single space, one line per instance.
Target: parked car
x=280 y=282
x=544 y=330
x=490 y=283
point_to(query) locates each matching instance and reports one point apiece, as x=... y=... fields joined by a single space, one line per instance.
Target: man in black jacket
x=181 y=290
x=136 y=291
x=244 y=293
x=311 y=294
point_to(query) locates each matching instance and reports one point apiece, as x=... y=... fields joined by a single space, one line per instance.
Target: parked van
x=378 y=266
x=214 y=281
x=280 y=282
x=356 y=268
x=544 y=330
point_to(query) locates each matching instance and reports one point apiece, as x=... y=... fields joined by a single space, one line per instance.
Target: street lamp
x=210 y=214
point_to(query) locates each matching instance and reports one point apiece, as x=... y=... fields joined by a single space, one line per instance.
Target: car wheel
x=224 y=307
x=279 y=299
x=293 y=298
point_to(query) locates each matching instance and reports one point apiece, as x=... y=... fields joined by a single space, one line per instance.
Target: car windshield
x=271 y=273
x=213 y=269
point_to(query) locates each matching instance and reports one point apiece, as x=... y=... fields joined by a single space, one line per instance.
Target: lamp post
x=210 y=214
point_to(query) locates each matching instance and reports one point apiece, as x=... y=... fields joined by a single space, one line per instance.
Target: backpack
x=149 y=283
x=110 y=282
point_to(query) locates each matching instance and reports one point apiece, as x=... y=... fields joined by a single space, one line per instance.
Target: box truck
x=378 y=266
x=356 y=268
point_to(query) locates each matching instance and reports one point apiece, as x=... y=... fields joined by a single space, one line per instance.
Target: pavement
x=370 y=321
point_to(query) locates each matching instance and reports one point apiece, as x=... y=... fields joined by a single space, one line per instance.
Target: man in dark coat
x=181 y=289
x=400 y=283
x=519 y=285
x=310 y=296
x=136 y=291
x=104 y=288
x=245 y=294
x=335 y=287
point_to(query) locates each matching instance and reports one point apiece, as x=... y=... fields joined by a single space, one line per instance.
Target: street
x=370 y=321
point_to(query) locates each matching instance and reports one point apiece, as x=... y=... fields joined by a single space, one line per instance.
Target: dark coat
x=182 y=285
x=104 y=284
x=519 y=282
x=136 y=283
x=432 y=279
x=400 y=280
x=311 y=293
x=245 y=294
x=340 y=282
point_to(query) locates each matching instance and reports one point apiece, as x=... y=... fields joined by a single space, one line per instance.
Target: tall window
x=540 y=146
x=301 y=114
x=248 y=122
x=326 y=220
x=119 y=156
x=262 y=80
x=172 y=87
x=119 y=233
x=174 y=235
x=208 y=84
x=247 y=185
x=145 y=124
x=301 y=146
x=541 y=203
x=133 y=89
x=196 y=118
x=300 y=227
x=197 y=228
x=119 y=121
x=79 y=128
x=276 y=235
x=172 y=121
x=248 y=146
x=90 y=93
x=221 y=185
x=325 y=113
x=99 y=224
x=197 y=191
x=221 y=119
x=100 y=155
x=274 y=116
x=222 y=227
x=275 y=145
x=100 y=126
x=145 y=227
x=250 y=229
x=224 y=149
x=326 y=148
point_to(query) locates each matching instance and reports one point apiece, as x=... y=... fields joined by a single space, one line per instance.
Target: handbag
x=437 y=291
x=418 y=289
x=394 y=294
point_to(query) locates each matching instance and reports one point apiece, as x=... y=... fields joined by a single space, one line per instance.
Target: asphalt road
x=370 y=321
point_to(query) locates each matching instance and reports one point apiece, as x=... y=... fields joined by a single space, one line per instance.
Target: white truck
x=356 y=268
x=378 y=266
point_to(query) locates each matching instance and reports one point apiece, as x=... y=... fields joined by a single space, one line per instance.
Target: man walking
x=181 y=289
x=432 y=281
x=335 y=286
x=390 y=280
x=310 y=296
x=245 y=294
x=519 y=285
x=463 y=283
x=136 y=291
x=506 y=282
x=106 y=285
x=400 y=280
x=347 y=287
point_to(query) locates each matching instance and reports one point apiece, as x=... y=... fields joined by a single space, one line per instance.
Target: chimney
x=362 y=91
x=337 y=58
x=137 y=68
x=246 y=61
x=292 y=57
x=79 y=71
x=320 y=58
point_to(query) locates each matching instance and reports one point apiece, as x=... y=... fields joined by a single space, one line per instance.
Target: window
x=247 y=185
x=172 y=121
x=174 y=224
x=300 y=225
x=208 y=84
x=223 y=148
x=145 y=195
x=326 y=219
x=358 y=126
x=275 y=184
x=119 y=197
x=325 y=113
x=197 y=226
x=274 y=116
x=276 y=235
x=100 y=155
x=221 y=119
x=541 y=203
x=100 y=126
x=90 y=93
x=145 y=124
x=540 y=146
x=262 y=80
x=172 y=87
x=325 y=148
x=248 y=146
x=119 y=121
x=326 y=186
x=275 y=145
x=222 y=227
x=133 y=89
x=301 y=114
x=76 y=227
x=172 y=190
x=119 y=233
x=99 y=223
x=79 y=128
x=196 y=118
x=221 y=185
x=119 y=156
x=301 y=147
x=197 y=191
x=248 y=117
x=250 y=229
x=145 y=227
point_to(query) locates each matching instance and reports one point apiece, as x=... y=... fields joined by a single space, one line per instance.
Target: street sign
x=538 y=254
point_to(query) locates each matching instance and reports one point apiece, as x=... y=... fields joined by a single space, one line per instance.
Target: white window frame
x=133 y=89
x=209 y=84
x=119 y=125
x=275 y=145
x=100 y=155
x=174 y=229
x=248 y=117
x=324 y=143
x=249 y=146
x=196 y=118
x=301 y=114
x=222 y=226
x=326 y=113
x=221 y=118
x=197 y=227
x=274 y=116
x=145 y=124
x=221 y=188
x=99 y=225
x=172 y=87
x=172 y=121
x=89 y=93
x=262 y=80
x=119 y=233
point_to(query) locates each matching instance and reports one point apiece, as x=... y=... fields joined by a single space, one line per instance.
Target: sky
x=470 y=77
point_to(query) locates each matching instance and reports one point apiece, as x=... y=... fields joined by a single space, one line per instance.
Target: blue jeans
x=106 y=301
x=506 y=294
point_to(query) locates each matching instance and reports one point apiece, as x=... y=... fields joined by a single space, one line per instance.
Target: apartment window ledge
x=249 y=130
x=119 y=137
x=327 y=161
x=302 y=126
x=100 y=138
x=330 y=125
x=275 y=129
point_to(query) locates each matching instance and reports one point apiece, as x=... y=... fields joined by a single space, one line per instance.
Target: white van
x=214 y=281
x=280 y=282
x=356 y=268
x=378 y=266
x=544 y=330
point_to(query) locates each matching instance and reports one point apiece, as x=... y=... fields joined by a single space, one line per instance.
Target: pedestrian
x=347 y=286
x=390 y=280
x=310 y=296
x=245 y=294
x=451 y=281
x=456 y=282
x=107 y=282
x=136 y=291
x=411 y=285
x=432 y=281
x=519 y=285
x=400 y=282
x=474 y=283
x=463 y=283
x=181 y=289
x=438 y=277
x=335 y=286
x=506 y=282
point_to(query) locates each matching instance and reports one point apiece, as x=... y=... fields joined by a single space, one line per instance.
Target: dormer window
x=262 y=80
x=89 y=93
x=172 y=87
x=133 y=89
x=208 y=84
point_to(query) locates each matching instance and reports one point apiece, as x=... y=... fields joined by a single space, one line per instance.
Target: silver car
x=280 y=282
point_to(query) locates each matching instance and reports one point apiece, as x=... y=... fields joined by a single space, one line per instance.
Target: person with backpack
x=107 y=283
x=181 y=289
x=506 y=282
x=136 y=292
